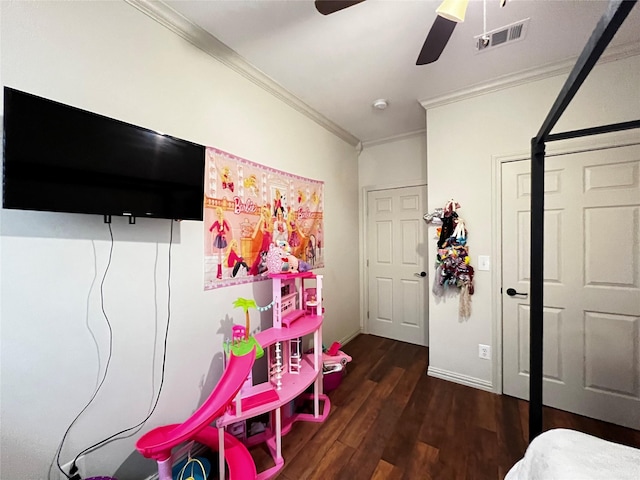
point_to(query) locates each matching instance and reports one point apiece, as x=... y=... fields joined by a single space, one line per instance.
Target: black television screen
x=63 y=159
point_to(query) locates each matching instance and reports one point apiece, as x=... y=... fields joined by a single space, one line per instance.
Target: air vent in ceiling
x=502 y=36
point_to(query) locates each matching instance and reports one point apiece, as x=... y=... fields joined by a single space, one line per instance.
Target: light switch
x=484 y=262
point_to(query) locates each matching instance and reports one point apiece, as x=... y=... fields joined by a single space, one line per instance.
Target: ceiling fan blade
x=326 y=7
x=437 y=39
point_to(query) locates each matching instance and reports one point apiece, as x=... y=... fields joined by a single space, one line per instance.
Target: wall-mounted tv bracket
x=132 y=219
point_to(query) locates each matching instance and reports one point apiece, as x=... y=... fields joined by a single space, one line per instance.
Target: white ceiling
x=339 y=64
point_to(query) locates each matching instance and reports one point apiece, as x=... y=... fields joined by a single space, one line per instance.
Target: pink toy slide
x=157 y=443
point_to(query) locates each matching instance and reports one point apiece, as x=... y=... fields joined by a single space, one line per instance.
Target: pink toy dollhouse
x=291 y=372
x=236 y=401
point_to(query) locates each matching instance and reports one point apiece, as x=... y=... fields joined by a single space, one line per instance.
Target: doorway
x=396 y=264
x=591 y=282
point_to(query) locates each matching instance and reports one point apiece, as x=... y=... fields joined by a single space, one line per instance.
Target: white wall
x=393 y=163
x=396 y=162
x=110 y=58
x=462 y=139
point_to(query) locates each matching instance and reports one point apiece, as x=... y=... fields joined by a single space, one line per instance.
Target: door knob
x=512 y=292
x=421 y=274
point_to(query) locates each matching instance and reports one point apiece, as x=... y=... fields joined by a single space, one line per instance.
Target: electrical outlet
x=67 y=466
x=484 y=351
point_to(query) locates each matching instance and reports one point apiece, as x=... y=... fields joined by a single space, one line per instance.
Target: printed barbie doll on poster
x=249 y=207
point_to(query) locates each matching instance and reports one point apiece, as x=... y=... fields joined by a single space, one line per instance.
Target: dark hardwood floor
x=391 y=421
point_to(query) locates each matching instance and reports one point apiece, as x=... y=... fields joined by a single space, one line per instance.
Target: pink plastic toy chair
x=237 y=333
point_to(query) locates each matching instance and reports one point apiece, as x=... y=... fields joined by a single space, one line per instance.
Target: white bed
x=569 y=455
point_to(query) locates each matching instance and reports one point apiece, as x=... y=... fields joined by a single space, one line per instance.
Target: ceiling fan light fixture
x=380 y=104
x=453 y=10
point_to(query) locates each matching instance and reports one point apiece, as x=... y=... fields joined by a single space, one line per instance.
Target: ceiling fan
x=450 y=12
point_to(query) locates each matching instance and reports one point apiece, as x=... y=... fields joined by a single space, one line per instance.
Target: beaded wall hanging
x=453 y=262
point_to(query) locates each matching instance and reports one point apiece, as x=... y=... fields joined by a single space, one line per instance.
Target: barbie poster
x=247 y=207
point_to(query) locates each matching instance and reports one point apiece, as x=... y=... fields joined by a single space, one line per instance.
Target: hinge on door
x=367 y=262
x=367 y=314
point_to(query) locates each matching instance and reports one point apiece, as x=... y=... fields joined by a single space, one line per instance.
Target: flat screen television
x=63 y=159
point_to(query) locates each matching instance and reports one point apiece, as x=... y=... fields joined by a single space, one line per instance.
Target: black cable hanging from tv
x=116 y=436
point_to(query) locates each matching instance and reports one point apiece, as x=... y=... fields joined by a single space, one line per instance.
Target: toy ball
x=197 y=468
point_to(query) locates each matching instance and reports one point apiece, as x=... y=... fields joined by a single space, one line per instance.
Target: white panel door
x=397 y=251
x=591 y=309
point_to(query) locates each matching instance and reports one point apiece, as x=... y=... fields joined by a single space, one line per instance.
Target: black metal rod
x=585 y=132
x=606 y=28
x=536 y=289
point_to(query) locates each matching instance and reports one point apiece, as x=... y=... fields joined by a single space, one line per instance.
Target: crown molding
x=395 y=138
x=197 y=36
x=527 y=76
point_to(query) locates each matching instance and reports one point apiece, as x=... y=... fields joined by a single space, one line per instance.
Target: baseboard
x=350 y=337
x=461 y=379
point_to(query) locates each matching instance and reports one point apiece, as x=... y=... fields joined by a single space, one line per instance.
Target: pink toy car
x=335 y=356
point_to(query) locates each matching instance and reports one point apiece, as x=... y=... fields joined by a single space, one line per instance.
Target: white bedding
x=569 y=455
